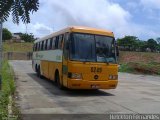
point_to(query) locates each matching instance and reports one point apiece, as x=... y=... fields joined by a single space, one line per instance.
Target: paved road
x=134 y=94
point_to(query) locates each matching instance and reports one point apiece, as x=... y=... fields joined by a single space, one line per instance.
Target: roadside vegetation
x=139 y=62
x=19 y=10
x=17 y=47
x=8 y=88
x=139 y=56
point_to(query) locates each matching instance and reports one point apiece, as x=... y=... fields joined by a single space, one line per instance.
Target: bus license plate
x=95 y=86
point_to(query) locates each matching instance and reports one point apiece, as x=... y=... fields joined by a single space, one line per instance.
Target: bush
x=140 y=67
x=8 y=89
x=125 y=68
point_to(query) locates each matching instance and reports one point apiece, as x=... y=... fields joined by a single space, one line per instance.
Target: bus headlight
x=77 y=76
x=113 y=77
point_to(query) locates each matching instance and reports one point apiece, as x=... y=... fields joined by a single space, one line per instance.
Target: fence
x=17 y=55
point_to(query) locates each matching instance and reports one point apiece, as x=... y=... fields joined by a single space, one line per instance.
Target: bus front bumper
x=84 y=84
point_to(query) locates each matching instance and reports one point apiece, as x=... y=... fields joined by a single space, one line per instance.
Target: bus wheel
x=57 y=80
x=39 y=72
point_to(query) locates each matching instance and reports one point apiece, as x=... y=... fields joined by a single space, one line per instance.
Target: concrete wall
x=17 y=55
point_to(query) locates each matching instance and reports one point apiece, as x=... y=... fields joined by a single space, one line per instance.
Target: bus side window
x=36 y=47
x=60 y=45
x=67 y=41
x=56 y=42
x=46 y=44
x=66 y=45
x=50 y=44
x=53 y=43
x=42 y=45
x=39 y=46
x=33 y=47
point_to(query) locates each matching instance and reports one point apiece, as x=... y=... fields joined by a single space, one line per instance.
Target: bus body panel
x=88 y=76
x=84 y=84
x=65 y=72
x=86 y=68
x=49 y=68
x=51 y=60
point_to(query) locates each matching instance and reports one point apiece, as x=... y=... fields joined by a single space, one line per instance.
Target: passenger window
x=42 y=45
x=66 y=41
x=50 y=45
x=36 y=47
x=39 y=46
x=66 y=45
x=56 y=42
x=53 y=43
x=46 y=43
x=60 y=45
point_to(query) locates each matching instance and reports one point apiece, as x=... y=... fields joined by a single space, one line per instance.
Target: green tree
x=20 y=9
x=142 y=45
x=152 y=44
x=27 y=37
x=128 y=42
x=6 y=34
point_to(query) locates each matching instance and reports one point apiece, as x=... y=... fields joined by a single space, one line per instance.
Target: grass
x=126 y=68
x=139 y=62
x=17 y=47
x=8 y=88
x=145 y=57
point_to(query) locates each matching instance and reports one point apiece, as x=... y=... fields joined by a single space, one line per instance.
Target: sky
x=139 y=18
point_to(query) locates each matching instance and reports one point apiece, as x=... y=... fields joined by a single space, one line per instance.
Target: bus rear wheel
x=57 y=80
x=39 y=72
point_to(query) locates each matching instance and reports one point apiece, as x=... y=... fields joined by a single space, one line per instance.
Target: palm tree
x=20 y=9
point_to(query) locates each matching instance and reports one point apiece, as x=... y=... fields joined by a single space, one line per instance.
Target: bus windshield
x=92 y=48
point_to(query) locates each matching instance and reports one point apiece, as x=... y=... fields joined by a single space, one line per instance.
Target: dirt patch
x=144 y=57
x=147 y=68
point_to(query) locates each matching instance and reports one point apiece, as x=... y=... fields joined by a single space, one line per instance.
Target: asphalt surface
x=134 y=94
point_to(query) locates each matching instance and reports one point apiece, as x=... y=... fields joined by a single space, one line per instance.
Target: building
x=16 y=37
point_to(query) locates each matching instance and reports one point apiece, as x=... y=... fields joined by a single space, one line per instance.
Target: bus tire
x=39 y=72
x=36 y=68
x=57 y=80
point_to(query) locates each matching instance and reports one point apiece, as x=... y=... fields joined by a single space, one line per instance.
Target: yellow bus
x=77 y=58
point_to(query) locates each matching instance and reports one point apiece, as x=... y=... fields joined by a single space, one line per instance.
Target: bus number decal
x=96 y=69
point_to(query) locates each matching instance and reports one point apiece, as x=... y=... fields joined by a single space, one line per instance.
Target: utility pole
x=1 y=29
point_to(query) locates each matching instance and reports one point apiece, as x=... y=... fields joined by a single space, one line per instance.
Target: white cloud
x=153 y=4
x=56 y=14
x=41 y=29
x=38 y=29
x=92 y=13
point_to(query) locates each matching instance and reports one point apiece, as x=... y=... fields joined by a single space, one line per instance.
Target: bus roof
x=79 y=29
